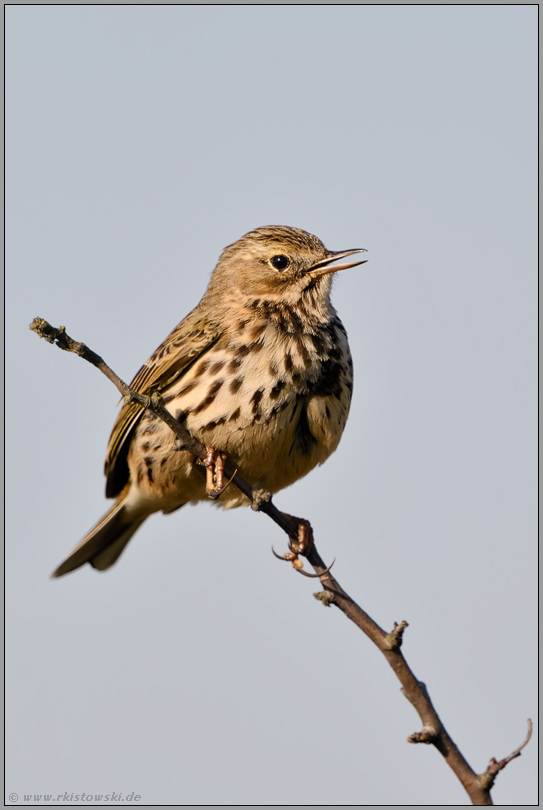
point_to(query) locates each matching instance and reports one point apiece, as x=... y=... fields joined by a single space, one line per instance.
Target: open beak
x=325 y=265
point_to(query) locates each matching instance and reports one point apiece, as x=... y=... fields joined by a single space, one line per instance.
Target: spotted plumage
x=259 y=370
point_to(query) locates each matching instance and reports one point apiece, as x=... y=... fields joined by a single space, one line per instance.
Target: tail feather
x=103 y=545
x=105 y=559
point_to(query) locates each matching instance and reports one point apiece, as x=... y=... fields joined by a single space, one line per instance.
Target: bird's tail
x=105 y=543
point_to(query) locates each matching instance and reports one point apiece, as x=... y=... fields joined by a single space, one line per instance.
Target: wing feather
x=184 y=345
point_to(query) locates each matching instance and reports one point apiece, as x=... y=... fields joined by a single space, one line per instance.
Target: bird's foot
x=214 y=464
x=301 y=544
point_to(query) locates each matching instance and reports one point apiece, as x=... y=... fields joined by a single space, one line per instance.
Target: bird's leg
x=219 y=470
x=209 y=464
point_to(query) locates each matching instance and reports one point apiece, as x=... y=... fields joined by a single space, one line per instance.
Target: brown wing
x=188 y=341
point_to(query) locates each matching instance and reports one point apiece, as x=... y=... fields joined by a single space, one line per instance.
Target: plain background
x=140 y=141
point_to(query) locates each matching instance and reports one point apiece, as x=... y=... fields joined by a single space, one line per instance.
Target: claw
x=283 y=556
x=291 y=556
x=316 y=576
x=216 y=493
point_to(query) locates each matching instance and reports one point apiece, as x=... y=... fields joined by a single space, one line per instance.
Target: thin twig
x=489 y=776
x=433 y=731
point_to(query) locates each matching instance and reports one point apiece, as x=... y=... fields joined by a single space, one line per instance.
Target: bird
x=260 y=371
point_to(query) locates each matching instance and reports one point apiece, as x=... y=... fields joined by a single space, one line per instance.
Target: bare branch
x=433 y=731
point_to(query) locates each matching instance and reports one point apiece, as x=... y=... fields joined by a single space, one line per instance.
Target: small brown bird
x=260 y=370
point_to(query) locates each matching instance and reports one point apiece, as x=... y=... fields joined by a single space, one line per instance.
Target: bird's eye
x=280 y=262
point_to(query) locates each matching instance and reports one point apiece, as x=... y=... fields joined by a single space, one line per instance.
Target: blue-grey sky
x=199 y=670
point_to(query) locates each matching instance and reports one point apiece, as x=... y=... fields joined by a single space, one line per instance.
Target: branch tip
x=44 y=330
x=488 y=778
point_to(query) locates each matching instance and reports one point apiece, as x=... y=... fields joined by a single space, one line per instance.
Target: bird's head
x=278 y=261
